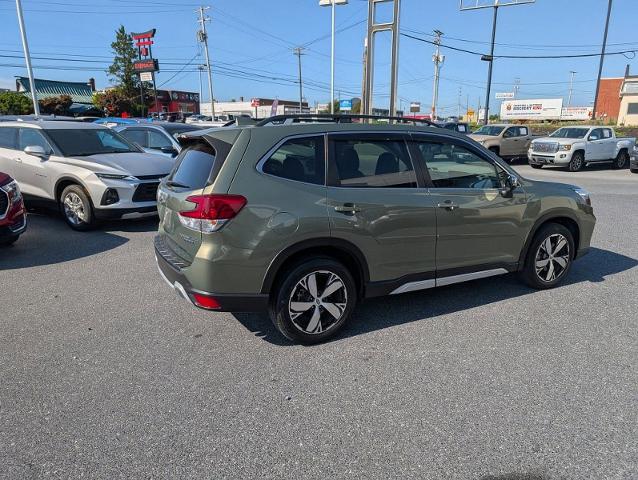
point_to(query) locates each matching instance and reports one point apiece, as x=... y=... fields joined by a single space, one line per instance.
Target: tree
x=114 y=102
x=56 y=105
x=121 y=71
x=14 y=103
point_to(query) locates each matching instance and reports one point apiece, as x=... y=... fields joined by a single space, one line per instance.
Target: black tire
x=82 y=218
x=8 y=240
x=621 y=160
x=306 y=327
x=542 y=280
x=577 y=162
x=536 y=165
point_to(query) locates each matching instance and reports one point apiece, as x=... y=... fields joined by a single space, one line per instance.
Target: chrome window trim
x=266 y=157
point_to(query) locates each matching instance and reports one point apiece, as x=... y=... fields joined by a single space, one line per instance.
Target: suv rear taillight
x=211 y=212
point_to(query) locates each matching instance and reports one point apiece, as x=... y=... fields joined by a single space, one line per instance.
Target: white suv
x=88 y=171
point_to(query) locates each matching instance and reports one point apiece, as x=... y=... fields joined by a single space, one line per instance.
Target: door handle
x=448 y=205
x=347 y=208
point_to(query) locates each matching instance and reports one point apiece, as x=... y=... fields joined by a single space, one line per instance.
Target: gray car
x=303 y=220
x=158 y=137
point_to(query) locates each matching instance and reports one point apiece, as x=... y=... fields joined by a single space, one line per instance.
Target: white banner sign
x=146 y=76
x=537 y=109
x=577 y=113
x=504 y=95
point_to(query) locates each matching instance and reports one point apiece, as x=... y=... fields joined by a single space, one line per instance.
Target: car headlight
x=113 y=176
x=564 y=148
x=584 y=195
x=13 y=190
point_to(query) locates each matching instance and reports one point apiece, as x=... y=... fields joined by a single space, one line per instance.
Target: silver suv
x=90 y=172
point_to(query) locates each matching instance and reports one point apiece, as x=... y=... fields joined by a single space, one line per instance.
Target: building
x=80 y=92
x=175 y=101
x=256 y=107
x=617 y=100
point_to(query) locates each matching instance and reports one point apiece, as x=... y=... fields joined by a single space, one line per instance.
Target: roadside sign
x=345 y=105
x=146 y=76
x=577 y=113
x=415 y=107
x=536 y=109
x=255 y=102
x=470 y=112
x=504 y=95
x=146 y=65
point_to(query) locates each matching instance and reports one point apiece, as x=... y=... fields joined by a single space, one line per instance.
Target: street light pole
x=299 y=52
x=203 y=37
x=571 y=88
x=27 y=59
x=332 y=4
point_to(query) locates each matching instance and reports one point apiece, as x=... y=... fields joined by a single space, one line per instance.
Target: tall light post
x=202 y=36
x=27 y=59
x=332 y=4
x=571 y=88
x=438 y=60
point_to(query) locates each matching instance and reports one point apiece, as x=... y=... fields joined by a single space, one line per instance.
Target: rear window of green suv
x=194 y=167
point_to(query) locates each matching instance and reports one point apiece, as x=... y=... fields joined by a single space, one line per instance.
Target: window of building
x=632 y=109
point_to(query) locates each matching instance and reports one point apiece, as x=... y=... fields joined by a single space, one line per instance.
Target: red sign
x=148 y=65
x=255 y=102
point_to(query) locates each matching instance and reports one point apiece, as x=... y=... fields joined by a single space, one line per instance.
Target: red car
x=13 y=215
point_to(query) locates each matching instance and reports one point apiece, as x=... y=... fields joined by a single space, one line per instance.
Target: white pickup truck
x=576 y=147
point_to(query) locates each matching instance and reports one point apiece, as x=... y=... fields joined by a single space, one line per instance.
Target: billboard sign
x=415 y=107
x=345 y=105
x=503 y=95
x=147 y=65
x=536 y=109
x=577 y=113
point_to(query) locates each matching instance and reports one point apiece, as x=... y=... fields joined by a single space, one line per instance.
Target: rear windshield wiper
x=171 y=183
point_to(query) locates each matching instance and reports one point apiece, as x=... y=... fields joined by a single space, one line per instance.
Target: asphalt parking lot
x=106 y=374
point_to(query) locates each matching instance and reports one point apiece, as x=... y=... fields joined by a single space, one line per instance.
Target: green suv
x=303 y=220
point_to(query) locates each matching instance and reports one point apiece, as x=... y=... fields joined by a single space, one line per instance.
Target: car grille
x=545 y=147
x=4 y=203
x=146 y=192
x=168 y=254
x=151 y=177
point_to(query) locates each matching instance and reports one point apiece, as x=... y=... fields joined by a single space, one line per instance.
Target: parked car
x=13 y=215
x=158 y=137
x=507 y=141
x=115 y=121
x=633 y=161
x=88 y=171
x=304 y=220
x=577 y=147
x=460 y=127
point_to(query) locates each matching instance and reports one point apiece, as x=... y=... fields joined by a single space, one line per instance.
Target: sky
x=251 y=45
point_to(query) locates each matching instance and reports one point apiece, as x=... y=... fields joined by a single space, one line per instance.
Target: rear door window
x=8 y=137
x=158 y=140
x=136 y=135
x=194 y=167
x=300 y=159
x=372 y=162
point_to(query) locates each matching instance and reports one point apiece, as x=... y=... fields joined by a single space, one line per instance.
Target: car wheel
x=549 y=257
x=577 y=162
x=77 y=208
x=536 y=165
x=9 y=240
x=313 y=301
x=621 y=161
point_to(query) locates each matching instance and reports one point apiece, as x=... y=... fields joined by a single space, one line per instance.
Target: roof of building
x=80 y=92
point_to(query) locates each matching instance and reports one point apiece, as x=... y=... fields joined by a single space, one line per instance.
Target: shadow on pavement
x=383 y=312
x=48 y=240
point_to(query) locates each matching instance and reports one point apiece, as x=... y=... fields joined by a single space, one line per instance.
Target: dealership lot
x=107 y=373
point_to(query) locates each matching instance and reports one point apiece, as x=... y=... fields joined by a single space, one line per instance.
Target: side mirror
x=509 y=183
x=36 y=151
x=592 y=138
x=169 y=150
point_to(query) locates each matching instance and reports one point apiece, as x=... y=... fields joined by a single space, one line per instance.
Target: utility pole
x=363 y=109
x=201 y=68
x=489 y=68
x=438 y=60
x=27 y=59
x=571 y=88
x=299 y=52
x=203 y=38
x=602 y=59
x=458 y=106
x=517 y=86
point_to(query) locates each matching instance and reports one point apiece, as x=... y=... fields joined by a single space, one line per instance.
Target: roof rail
x=337 y=118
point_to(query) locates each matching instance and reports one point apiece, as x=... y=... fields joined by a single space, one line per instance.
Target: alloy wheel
x=318 y=302
x=74 y=208
x=552 y=258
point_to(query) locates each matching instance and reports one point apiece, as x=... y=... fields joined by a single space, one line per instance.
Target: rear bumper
x=227 y=303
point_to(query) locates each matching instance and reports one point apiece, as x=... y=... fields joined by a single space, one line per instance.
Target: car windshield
x=79 y=142
x=570 y=133
x=489 y=130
